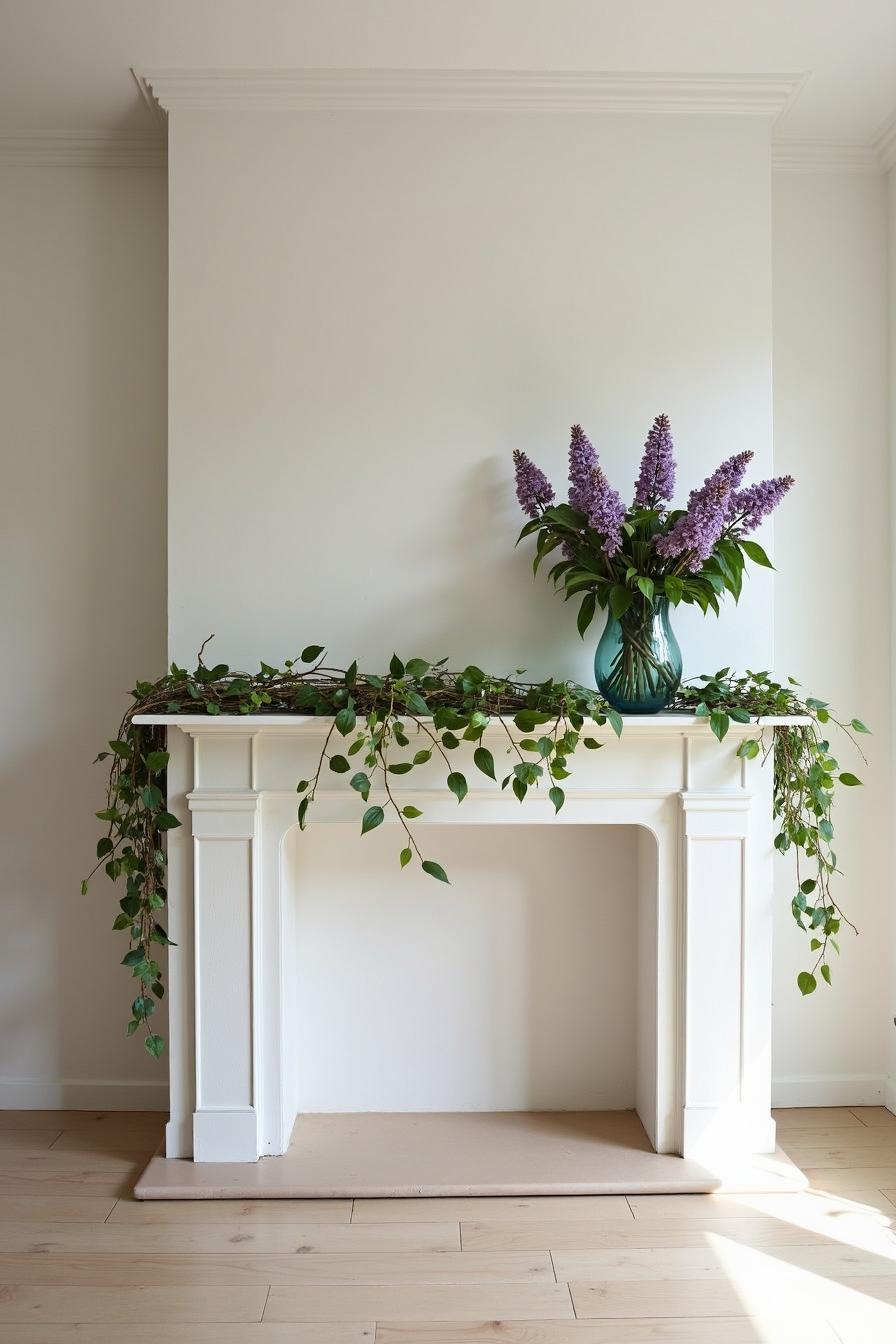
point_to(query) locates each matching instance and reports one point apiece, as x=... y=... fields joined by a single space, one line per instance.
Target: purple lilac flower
x=748 y=507
x=533 y=489
x=606 y=512
x=698 y=530
x=582 y=462
x=656 y=480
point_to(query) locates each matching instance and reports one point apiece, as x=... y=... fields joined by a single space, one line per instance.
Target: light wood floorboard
x=41 y=1303
x=140 y=1213
x=251 y=1332
x=420 y=1302
x=813 y=1117
x=232 y=1239
x=331 y=1270
x=870 y=1232
x=734 y=1330
x=81 y=1260
x=503 y=1207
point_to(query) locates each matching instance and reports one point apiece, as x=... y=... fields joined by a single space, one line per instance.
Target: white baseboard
x=841 y=1089
x=82 y=1094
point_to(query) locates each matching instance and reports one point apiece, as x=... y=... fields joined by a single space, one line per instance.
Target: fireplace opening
x=515 y=988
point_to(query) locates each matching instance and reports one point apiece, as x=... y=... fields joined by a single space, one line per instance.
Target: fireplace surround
x=704 y=942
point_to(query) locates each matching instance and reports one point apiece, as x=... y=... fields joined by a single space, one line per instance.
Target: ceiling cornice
x=814 y=156
x=76 y=149
x=473 y=90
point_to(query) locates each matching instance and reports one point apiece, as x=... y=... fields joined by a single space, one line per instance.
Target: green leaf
x=484 y=761
x=806 y=982
x=104 y=847
x=405 y=857
x=749 y=749
x=417 y=667
x=859 y=726
x=396 y=666
x=586 y=613
x=312 y=652
x=373 y=817
x=400 y=767
x=122 y=749
x=166 y=821
x=435 y=870
x=620 y=600
x=361 y=783
x=646 y=586
x=303 y=812
x=421 y=757
x=557 y=797
x=152 y=796
x=718 y=722
x=157 y=761
x=674 y=589
x=345 y=720
x=339 y=765
x=135 y=957
x=615 y=721
x=155 y=1045
x=415 y=703
x=759 y=557
x=591 y=743
x=411 y=812
x=826 y=972
x=850 y=780
x=449 y=741
x=458 y=785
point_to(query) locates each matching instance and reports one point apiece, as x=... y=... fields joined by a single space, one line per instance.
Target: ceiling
x=65 y=64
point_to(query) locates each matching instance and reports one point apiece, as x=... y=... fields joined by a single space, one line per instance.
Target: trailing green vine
x=385 y=726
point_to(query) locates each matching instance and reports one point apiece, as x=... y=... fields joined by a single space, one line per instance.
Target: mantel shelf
x=665 y=724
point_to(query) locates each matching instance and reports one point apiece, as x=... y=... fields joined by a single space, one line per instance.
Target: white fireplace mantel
x=705 y=918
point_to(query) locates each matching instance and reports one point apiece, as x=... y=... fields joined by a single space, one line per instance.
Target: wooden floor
x=80 y=1259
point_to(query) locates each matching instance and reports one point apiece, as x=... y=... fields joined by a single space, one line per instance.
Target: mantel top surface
x=667 y=723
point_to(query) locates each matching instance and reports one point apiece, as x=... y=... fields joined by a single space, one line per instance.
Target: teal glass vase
x=638 y=662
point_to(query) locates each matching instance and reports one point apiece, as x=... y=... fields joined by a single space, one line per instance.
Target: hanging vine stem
x=371 y=714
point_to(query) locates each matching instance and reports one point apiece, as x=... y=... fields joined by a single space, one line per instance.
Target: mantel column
x=225 y=1122
x=727 y=917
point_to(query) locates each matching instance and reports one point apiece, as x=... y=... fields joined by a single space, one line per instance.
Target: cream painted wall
x=832 y=601
x=82 y=400
x=82 y=257
x=368 y=313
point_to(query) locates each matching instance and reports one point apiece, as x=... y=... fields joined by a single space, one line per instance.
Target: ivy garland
x=373 y=718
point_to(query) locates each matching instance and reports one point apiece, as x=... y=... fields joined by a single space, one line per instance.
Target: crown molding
x=473 y=91
x=81 y=149
x=815 y=156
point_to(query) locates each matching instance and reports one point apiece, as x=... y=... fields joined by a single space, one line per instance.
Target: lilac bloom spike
x=533 y=489
x=698 y=530
x=606 y=512
x=656 y=480
x=582 y=462
x=748 y=507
